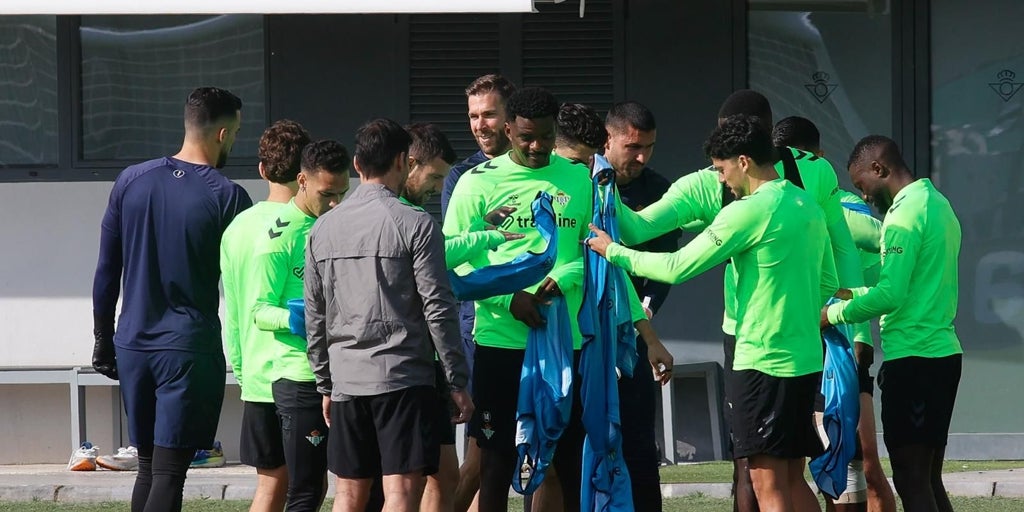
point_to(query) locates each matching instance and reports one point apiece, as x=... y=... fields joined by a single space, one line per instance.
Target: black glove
x=103 y=359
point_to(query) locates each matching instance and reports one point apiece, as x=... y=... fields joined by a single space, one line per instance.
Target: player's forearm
x=270 y=317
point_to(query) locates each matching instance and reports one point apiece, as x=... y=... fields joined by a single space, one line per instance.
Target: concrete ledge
x=712 y=490
x=971 y=489
x=27 y=492
x=1010 y=489
x=91 y=493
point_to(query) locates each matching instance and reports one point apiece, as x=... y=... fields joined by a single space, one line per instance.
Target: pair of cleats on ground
x=87 y=458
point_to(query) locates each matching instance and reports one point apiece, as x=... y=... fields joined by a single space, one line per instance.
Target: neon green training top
x=251 y=351
x=693 y=201
x=279 y=262
x=917 y=289
x=502 y=182
x=867 y=233
x=777 y=238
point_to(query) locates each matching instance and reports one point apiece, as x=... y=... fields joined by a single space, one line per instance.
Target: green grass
x=721 y=472
x=689 y=503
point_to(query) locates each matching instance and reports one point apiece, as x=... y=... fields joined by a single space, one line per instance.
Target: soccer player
x=502 y=322
x=777 y=240
x=694 y=200
x=486 y=98
x=250 y=350
x=278 y=265
x=916 y=298
x=161 y=235
x=378 y=305
x=800 y=133
x=430 y=157
x=631 y=137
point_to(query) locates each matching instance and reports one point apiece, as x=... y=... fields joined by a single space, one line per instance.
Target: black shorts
x=172 y=398
x=387 y=434
x=445 y=407
x=773 y=415
x=918 y=394
x=260 y=444
x=496 y=396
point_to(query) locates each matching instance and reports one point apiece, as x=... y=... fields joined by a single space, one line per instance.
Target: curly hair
x=532 y=103
x=741 y=135
x=325 y=155
x=280 y=150
x=580 y=124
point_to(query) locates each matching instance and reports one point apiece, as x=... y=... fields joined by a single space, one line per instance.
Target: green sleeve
x=568 y=275
x=865 y=230
x=232 y=334
x=732 y=231
x=466 y=210
x=270 y=269
x=460 y=248
x=693 y=198
x=893 y=286
x=829 y=280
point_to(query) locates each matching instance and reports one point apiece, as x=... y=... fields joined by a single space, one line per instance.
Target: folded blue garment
x=523 y=271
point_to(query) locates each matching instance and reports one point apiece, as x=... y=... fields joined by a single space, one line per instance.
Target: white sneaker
x=84 y=458
x=126 y=459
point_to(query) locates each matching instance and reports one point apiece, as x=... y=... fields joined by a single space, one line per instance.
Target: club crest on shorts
x=315 y=438
x=486 y=429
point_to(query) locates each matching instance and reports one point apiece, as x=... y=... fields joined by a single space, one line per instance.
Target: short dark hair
x=492 y=83
x=750 y=103
x=580 y=124
x=325 y=155
x=532 y=103
x=798 y=132
x=378 y=143
x=207 y=105
x=280 y=150
x=740 y=135
x=429 y=142
x=631 y=114
x=886 y=149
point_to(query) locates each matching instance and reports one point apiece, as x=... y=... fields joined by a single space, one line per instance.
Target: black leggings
x=161 y=479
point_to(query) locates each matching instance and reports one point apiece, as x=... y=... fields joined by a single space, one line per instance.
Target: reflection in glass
x=978 y=162
x=808 y=65
x=138 y=70
x=28 y=90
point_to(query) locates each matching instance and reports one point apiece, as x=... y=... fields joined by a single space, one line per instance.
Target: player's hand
x=549 y=288
x=327 y=410
x=824 y=323
x=843 y=294
x=104 y=360
x=661 y=361
x=463 y=406
x=599 y=243
x=512 y=236
x=524 y=308
x=497 y=216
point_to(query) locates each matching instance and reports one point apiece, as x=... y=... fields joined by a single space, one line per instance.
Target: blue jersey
x=161 y=235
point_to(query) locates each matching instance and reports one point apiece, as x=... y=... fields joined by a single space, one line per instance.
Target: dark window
x=28 y=90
